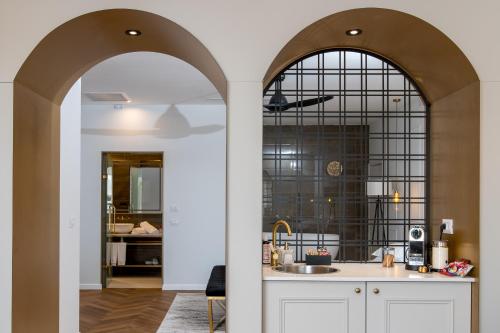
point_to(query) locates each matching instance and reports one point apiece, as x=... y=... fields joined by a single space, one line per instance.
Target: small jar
x=389 y=255
x=439 y=254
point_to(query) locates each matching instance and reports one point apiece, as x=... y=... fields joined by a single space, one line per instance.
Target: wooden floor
x=123 y=310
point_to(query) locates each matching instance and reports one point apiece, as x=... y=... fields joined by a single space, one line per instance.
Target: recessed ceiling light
x=133 y=32
x=353 y=32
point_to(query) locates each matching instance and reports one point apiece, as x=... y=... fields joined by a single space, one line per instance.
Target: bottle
x=266 y=252
x=287 y=255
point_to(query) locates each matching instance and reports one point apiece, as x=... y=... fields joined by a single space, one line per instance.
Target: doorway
x=152 y=128
x=132 y=220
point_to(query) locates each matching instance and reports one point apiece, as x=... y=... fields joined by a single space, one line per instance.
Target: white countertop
x=363 y=273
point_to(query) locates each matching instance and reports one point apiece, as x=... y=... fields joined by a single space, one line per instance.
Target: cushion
x=217 y=283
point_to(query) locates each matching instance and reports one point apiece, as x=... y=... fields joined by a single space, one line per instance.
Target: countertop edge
x=364 y=273
x=357 y=279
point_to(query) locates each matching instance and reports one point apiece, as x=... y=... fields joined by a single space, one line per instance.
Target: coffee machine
x=416 y=255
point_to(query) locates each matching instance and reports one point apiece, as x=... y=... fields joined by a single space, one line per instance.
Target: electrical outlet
x=449 y=226
x=73 y=222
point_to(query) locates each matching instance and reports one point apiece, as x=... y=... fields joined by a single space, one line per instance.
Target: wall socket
x=449 y=226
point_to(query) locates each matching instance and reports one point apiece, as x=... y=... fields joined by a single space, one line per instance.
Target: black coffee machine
x=416 y=255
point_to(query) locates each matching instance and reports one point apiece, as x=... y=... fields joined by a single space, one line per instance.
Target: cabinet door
x=319 y=307
x=415 y=307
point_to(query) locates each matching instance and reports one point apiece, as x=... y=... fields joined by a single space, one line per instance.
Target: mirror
x=145 y=189
x=133 y=181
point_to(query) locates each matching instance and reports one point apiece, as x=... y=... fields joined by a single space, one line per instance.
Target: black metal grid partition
x=345 y=155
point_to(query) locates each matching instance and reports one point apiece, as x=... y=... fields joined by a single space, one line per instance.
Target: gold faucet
x=274 y=256
x=275 y=229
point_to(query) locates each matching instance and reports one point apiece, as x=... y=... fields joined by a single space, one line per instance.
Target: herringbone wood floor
x=123 y=310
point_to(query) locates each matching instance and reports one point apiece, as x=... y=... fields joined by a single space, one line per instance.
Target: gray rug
x=189 y=314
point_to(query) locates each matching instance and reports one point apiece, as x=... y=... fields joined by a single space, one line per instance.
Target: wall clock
x=334 y=168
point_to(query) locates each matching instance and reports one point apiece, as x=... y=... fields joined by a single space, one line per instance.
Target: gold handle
x=357 y=290
x=376 y=291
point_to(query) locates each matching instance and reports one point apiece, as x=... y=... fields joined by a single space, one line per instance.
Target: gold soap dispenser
x=274 y=258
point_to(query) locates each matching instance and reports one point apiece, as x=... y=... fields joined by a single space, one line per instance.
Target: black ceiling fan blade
x=308 y=102
x=274 y=107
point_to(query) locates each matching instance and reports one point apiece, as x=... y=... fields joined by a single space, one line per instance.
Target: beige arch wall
x=39 y=88
x=451 y=86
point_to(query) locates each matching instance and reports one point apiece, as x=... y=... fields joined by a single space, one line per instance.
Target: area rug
x=189 y=314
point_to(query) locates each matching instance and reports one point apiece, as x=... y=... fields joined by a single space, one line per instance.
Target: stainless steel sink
x=305 y=269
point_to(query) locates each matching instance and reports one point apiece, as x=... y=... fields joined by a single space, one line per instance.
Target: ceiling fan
x=279 y=103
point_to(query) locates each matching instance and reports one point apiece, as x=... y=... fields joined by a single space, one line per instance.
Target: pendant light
x=396 y=197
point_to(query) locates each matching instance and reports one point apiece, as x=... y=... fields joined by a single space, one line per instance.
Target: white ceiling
x=149 y=78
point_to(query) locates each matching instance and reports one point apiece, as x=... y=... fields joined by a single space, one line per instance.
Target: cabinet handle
x=357 y=290
x=376 y=291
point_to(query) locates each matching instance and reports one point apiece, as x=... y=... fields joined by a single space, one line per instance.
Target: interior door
x=106 y=203
x=415 y=307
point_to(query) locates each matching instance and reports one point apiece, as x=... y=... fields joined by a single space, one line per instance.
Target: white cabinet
x=366 y=307
x=319 y=307
x=415 y=307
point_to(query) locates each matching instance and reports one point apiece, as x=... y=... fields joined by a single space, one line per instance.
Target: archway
x=39 y=87
x=450 y=84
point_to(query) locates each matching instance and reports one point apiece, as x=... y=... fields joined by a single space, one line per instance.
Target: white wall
x=193 y=141
x=244 y=231
x=6 y=119
x=231 y=30
x=69 y=232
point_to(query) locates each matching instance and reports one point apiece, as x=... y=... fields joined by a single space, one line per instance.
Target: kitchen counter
x=350 y=272
x=361 y=296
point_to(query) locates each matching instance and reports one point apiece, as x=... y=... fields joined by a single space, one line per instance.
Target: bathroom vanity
x=366 y=298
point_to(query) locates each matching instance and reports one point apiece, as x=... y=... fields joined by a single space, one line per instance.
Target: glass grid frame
x=299 y=143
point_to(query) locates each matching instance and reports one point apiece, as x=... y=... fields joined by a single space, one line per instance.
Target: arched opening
x=450 y=84
x=39 y=88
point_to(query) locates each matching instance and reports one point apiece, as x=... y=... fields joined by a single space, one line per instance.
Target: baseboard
x=184 y=287
x=85 y=286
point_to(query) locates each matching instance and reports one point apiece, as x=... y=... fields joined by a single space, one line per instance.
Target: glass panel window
x=344 y=155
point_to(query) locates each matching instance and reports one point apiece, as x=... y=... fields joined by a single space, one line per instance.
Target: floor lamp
x=376 y=189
